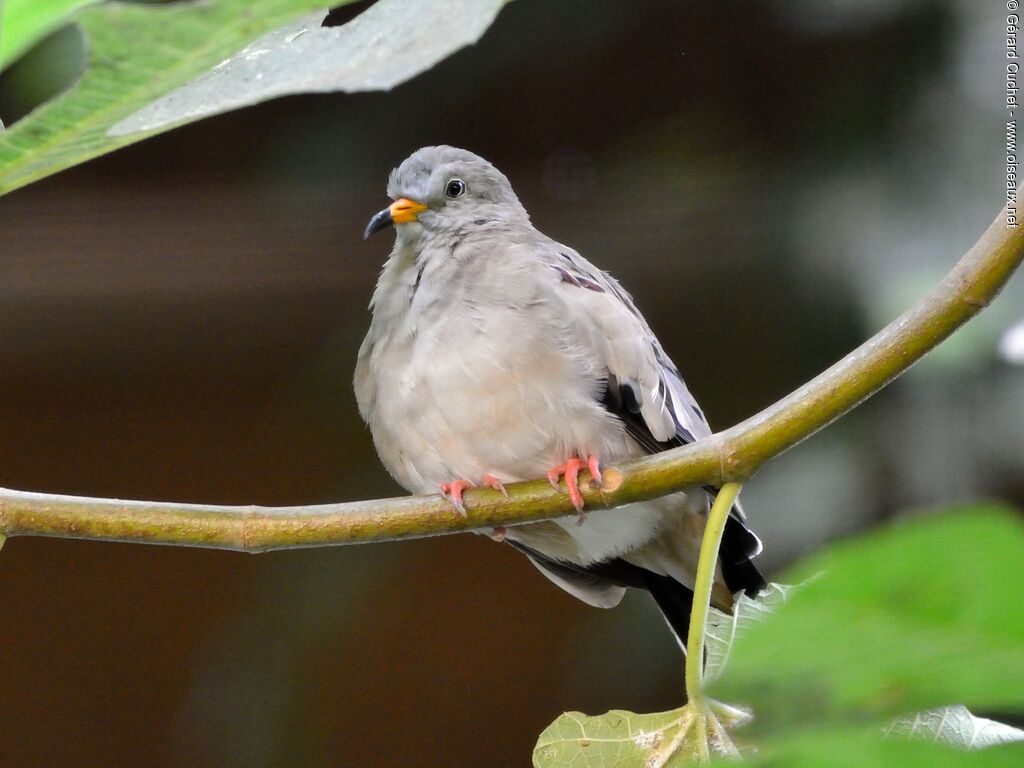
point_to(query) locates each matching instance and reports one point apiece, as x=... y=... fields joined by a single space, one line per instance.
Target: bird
x=496 y=354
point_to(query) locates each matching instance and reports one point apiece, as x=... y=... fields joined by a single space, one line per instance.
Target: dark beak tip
x=380 y=221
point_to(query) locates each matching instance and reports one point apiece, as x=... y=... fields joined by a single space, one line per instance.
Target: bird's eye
x=455 y=188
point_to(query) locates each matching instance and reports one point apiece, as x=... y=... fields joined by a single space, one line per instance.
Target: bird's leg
x=571 y=471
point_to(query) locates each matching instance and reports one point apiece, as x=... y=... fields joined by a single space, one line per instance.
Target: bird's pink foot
x=453 y=492
x=499 y=533
x=456 y=488
x=571 y=471
x=493 y=482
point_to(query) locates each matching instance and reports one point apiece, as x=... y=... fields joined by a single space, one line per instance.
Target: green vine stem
x=702 y=588
x=730 y=456
x=700 y=729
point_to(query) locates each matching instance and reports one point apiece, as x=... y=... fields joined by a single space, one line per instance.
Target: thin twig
x=730 y=456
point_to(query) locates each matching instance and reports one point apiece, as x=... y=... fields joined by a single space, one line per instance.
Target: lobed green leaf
x=136 y=54
x=617 y=739
x=389 y=43
x=907 y=618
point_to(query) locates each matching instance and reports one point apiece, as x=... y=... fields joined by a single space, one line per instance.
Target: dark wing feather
x=739 y=544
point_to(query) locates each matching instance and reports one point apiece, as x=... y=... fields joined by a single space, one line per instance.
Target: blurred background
x=774 y=180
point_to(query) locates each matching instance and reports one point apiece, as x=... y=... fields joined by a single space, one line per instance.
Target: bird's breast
x=481 y=389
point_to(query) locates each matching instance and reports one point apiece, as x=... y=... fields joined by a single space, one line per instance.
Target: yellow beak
x=401 y=211
x=404 y=209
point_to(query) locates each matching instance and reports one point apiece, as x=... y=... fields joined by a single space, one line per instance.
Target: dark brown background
x=179 y=321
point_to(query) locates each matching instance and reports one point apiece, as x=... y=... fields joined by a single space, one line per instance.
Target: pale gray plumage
x=495 y=349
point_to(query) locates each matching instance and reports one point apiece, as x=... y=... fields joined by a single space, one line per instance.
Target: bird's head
x=443 y=189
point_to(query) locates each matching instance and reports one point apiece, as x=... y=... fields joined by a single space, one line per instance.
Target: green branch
x=730 y=456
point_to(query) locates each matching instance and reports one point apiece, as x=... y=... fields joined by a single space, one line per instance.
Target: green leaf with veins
x=918 y=615
x=905 y=617
x=854 y=748
x=955 y=726
x=724 y=628
x=23 y=23
x=141 y=53
x=620 y=739
x=136 y=54
x=389 y=43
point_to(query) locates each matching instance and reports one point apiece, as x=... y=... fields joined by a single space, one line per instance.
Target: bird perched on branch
x=497 y=354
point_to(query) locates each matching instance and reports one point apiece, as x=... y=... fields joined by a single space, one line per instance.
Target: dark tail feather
x=739 y=545
x=743 y=576
x=674 y=600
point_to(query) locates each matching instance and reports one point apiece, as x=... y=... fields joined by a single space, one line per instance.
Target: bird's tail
x=739 y=546
x=674 y=600
x=735 y=557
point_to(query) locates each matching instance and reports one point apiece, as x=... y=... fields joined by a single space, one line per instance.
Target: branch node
x=725 y=458
x=613 y=478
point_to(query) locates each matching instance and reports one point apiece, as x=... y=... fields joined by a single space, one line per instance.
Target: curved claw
x=493 y=482
x=555 y=474
x=453 y=492
x=571 y=471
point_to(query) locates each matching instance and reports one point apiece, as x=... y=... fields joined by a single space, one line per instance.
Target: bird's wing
x=644 y=387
